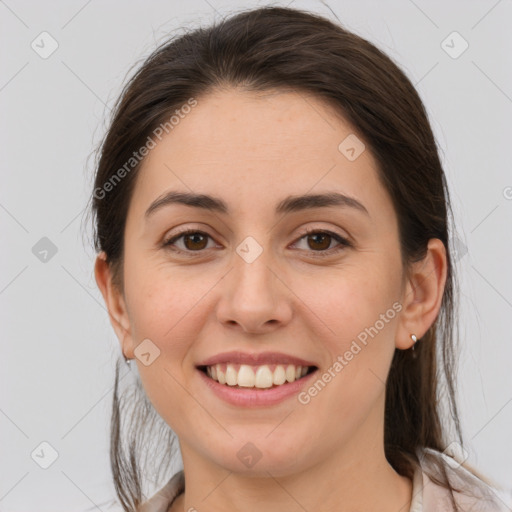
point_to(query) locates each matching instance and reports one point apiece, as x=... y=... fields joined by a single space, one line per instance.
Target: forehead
x=251 y=147
x=278 y=126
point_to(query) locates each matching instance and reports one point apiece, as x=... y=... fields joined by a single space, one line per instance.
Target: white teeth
x=279 y=375
x=264 y=377
x=246 y=377
x=290 y=373
x=231 y=376
x=255 y=376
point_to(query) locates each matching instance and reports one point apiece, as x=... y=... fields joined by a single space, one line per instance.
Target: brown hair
x=276 y=48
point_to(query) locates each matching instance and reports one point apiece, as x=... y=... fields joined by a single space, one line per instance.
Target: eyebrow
x=288 y=205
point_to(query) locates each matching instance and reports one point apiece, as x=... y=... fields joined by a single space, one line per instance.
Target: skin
x=252 y=150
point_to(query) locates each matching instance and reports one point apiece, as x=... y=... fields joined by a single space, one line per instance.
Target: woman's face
x=252 y=281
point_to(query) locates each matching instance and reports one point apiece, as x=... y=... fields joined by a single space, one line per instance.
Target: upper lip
x=237 y=357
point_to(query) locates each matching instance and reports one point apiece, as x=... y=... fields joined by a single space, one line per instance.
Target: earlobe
x=115 y=303
x=422 y=295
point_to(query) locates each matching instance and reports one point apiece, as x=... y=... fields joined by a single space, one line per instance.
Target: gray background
x=58 y=347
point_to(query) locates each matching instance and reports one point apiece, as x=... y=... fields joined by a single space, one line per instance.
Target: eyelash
x=344 y=243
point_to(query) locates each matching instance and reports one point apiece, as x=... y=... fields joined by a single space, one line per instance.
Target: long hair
x=274 y=48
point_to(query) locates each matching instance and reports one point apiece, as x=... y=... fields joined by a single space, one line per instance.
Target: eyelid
x=343 y=241
x=345 y=237
x=167 y=242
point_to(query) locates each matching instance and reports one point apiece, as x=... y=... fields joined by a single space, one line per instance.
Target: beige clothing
x=426 y=495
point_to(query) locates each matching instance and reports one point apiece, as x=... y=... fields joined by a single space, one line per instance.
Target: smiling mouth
x=266 y=376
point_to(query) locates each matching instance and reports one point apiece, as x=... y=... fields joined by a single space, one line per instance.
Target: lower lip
x=254 y=397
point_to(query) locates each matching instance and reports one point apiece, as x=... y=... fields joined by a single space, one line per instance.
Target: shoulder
x=162 y=500
x=471 y=494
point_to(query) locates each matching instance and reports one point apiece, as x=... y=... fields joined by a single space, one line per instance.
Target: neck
x=357 y=476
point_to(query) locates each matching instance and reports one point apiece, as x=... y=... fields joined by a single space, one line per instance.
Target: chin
x=259 y=455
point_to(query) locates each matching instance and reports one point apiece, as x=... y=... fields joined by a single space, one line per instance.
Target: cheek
x=349 y=301
x=354 y=320
x=162 y=303
x=165 y=311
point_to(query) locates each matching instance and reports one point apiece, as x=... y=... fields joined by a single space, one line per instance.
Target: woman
x=272 y=226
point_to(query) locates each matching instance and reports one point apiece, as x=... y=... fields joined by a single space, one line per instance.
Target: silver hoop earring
x=413 y=337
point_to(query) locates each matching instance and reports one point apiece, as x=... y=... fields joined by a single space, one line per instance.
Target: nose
x=254 y=296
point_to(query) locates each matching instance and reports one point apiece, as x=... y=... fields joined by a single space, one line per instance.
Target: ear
x=115 y=303
x=422 y=294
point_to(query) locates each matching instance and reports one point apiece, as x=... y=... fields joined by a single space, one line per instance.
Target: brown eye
x=319 y=242
x=193 y=241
